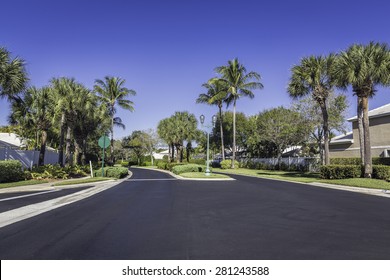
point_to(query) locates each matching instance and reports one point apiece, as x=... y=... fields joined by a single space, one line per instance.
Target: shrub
x=162 y=165
x=198 y=161
x=173 y=164
x=215 y=164
x=50 y=171
x=11 y=171
x=125 y=163
x=113 y=172
x=357 y=161
x=178 y=169
x=381 y=172
x=340 y=171
x=227 y=164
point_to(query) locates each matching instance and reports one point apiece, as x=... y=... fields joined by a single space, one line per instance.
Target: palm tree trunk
x=67 y=148
x=360 y=129
x=234 y=133
x=172 y=152
x=325 y=126
x=112 y=142
x=84 y=153
x=367 y=144
x=221 y=130
x=61 y=146
x=42 y=151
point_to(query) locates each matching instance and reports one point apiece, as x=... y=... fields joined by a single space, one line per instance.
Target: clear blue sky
x=166 y=49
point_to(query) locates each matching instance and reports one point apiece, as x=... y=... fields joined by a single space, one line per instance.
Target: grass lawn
x=201 y=175
x=308 y=178
x=22 y=183
x=81 y=181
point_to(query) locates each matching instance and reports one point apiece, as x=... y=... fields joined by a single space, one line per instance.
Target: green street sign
x=104 y=142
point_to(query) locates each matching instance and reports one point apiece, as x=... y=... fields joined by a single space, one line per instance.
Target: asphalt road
x=153 y=216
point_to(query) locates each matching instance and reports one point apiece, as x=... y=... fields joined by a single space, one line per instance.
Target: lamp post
x=213 y=120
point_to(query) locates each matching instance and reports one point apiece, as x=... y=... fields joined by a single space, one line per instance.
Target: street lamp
x=213 y=120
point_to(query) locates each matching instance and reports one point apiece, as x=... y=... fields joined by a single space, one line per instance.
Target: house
x=348 y=145
x=10 y=140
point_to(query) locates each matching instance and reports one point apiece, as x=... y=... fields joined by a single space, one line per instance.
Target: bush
x=227 y=164
x=178 y=169
x=50 y=171
x=357 y=161
x=198 y=161
x=162 y=165
x=170 y=165
x=125 y=163
x=113 y=172
x=340 y=171
x=381 y=172
x=11 y=171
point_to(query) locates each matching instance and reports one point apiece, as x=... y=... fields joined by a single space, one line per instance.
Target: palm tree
x=13 y=76
x=239 y=84
x=215 y=95
x=364 y=67
x=112 y=92
x=313 y=77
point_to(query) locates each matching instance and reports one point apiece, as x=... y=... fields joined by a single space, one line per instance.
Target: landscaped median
x=305 y=177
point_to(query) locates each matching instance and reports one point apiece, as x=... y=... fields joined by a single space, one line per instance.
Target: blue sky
x=166 y=49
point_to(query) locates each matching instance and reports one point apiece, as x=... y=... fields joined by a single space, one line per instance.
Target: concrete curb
x=183 y=178
x=22 y=213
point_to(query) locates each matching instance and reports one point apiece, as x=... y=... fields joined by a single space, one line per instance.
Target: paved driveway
x=154 y=216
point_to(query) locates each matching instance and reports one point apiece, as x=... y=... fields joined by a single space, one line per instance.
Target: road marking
x=168 y=179
x=27 y=195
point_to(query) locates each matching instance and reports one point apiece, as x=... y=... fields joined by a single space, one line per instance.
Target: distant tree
x=112 y=93
x=239 y=84
x=282 y=127
x=364 y=67
x=135 y=142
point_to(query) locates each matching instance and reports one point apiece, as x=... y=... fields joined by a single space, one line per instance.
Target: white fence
x=27 y=158
x=299 y=163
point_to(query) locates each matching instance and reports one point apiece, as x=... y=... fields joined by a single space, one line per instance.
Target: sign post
x=103 y=142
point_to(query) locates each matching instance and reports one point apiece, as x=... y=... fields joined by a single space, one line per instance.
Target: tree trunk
x=234 y=133
x=84 y=153
x=169 y=153
x=173 y=152
x=188 y=151
x=325 y=126
x=279 y=155
x=61 y=146
x=67 y=148
x=221 y=130
x=112 y=142
x=367 y=144
x=361 y=129
x=42 y=151
x=77 y=153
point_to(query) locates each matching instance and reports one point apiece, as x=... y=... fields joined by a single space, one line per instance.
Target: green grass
x=82 y=181
x=201 y=175
x=308 y=178
x=22 y=183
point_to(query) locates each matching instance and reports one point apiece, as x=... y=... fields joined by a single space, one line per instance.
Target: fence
x=288 y=163
x=27 y=158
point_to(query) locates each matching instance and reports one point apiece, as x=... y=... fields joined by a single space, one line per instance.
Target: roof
x=343 y=139
x=10 y=140
x=375 y=113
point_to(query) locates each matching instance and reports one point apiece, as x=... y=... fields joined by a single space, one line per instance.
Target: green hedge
x=340 y=171
x=357 y=161
x=198 y=161
x=11 y=171
x=178 y=169
x=381 y=172
x=113 y=172
x=227 y=164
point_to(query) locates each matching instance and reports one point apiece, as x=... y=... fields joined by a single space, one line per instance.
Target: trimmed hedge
x=227 y=164
x=357 y=161
x=381 y=172
x=113 y=172
x=178 y=169
x=340 y=171
x=11 y=171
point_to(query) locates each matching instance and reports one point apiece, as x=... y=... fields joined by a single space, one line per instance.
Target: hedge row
x=11 y=171
x=357 y=161
x=178 y=169
x=113 y=172
x=227 y=164
x=381 y=172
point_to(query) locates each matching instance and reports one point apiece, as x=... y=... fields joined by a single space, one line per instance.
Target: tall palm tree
x=112 y=92
x=239 y=83
x=313 y=76
x=215 y=95
x=364 y=67
x=13 y=76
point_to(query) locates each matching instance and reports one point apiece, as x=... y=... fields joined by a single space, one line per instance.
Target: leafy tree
x=239 y=83
x=215 y=95
x=135 y=142
x=113 y=93
x=313 y=77
x=13 y=76
x=283 y=128
x=312 y=114
x=364 y=67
